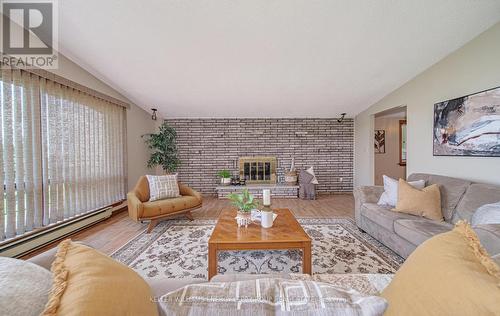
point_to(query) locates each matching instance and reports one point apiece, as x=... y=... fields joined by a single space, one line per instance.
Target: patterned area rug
x=179 y=249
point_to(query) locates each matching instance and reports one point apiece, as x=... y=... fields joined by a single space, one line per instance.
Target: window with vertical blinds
x=62 y=152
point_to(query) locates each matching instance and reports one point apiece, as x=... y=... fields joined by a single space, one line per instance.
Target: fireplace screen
x=258 y=169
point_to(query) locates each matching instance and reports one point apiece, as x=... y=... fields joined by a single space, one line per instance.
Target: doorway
x=390 y=143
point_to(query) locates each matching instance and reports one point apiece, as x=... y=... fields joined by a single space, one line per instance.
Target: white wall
x=138 y=121
x=69 y=70
x=472 y=68
x=388 y=162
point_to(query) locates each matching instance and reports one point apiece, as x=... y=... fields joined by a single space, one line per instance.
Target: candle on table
x=266 y=197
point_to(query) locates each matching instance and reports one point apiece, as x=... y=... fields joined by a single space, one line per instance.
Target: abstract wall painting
x=468 y=126
x=380 y=141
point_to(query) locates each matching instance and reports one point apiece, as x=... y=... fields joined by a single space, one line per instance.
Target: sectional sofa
x=403 y=232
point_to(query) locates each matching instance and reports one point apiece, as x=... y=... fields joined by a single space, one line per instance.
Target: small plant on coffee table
x=245 y=203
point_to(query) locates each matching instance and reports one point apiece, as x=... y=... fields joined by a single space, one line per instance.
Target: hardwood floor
x=112 y=233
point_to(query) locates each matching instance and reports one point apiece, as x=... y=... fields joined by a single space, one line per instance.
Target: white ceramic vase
x=266 y=219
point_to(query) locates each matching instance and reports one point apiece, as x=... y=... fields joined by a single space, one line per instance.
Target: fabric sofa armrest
x=365 y=194
x=46 y=258
x=489 y=235
x=135 y=206
x=187 y=191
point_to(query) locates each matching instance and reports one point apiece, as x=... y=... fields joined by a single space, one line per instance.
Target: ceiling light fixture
x=153 y=116
x=342 y=116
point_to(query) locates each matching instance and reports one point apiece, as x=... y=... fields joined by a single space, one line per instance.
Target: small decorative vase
x=266 y=219
x=225 y=181
x=291 y=178
x=243 y=218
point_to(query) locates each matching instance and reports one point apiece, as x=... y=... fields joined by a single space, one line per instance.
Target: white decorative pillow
x=163 y=187
x=24 y=287
x=390 y=195
x=311 y=172
x=270 y=296
x=487 y=214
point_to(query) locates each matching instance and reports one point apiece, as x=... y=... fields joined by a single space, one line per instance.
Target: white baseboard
x=35 y=241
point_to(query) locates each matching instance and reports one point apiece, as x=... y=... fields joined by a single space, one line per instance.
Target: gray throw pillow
x=270 y=296
x=24 y=287
x=487 y=214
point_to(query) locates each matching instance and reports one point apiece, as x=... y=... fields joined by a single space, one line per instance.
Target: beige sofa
x=159 y=285
x=403 y=233
x=162 y=285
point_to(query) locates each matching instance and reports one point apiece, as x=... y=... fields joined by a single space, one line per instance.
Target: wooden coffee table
x=286 y=233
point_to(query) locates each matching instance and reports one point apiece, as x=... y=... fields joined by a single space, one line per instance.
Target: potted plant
x=225 y=177
x=164 y=149
x=245 y=203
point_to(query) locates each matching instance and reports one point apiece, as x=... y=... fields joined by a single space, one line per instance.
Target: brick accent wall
x=209 y=145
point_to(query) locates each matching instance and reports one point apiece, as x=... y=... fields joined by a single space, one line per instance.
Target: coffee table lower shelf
x=305 y=246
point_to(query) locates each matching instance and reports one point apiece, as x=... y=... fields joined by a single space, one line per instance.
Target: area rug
x=179 y=249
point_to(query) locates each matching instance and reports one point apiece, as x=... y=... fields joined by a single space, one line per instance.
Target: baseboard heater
x=35 y=241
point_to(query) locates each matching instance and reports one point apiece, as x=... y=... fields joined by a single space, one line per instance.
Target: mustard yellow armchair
x=139 y=207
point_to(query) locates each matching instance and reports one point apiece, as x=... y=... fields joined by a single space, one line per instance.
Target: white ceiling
x=264 y=58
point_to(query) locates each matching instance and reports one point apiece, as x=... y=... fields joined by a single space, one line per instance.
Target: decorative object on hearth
x=379 y=141
x=164 y=148
x=225 y=177
x=307 y=189
x=245 y=203
x=468 y=126
x=235 y=180
x=291 y=175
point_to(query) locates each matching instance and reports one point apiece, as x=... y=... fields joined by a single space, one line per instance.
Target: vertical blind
x=62 y=152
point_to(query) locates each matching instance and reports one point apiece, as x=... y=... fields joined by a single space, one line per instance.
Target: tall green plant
x=164 y=148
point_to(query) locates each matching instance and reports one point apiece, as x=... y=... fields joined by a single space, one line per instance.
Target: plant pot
x=225 y=181
x=266 y=219
x=243 y=218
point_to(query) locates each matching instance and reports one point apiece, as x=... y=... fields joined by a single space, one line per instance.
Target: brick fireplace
x=259 y=169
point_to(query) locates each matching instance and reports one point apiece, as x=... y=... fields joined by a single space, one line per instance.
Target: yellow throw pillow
x=449 y=274
x=87 y=282
x=425 y=202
